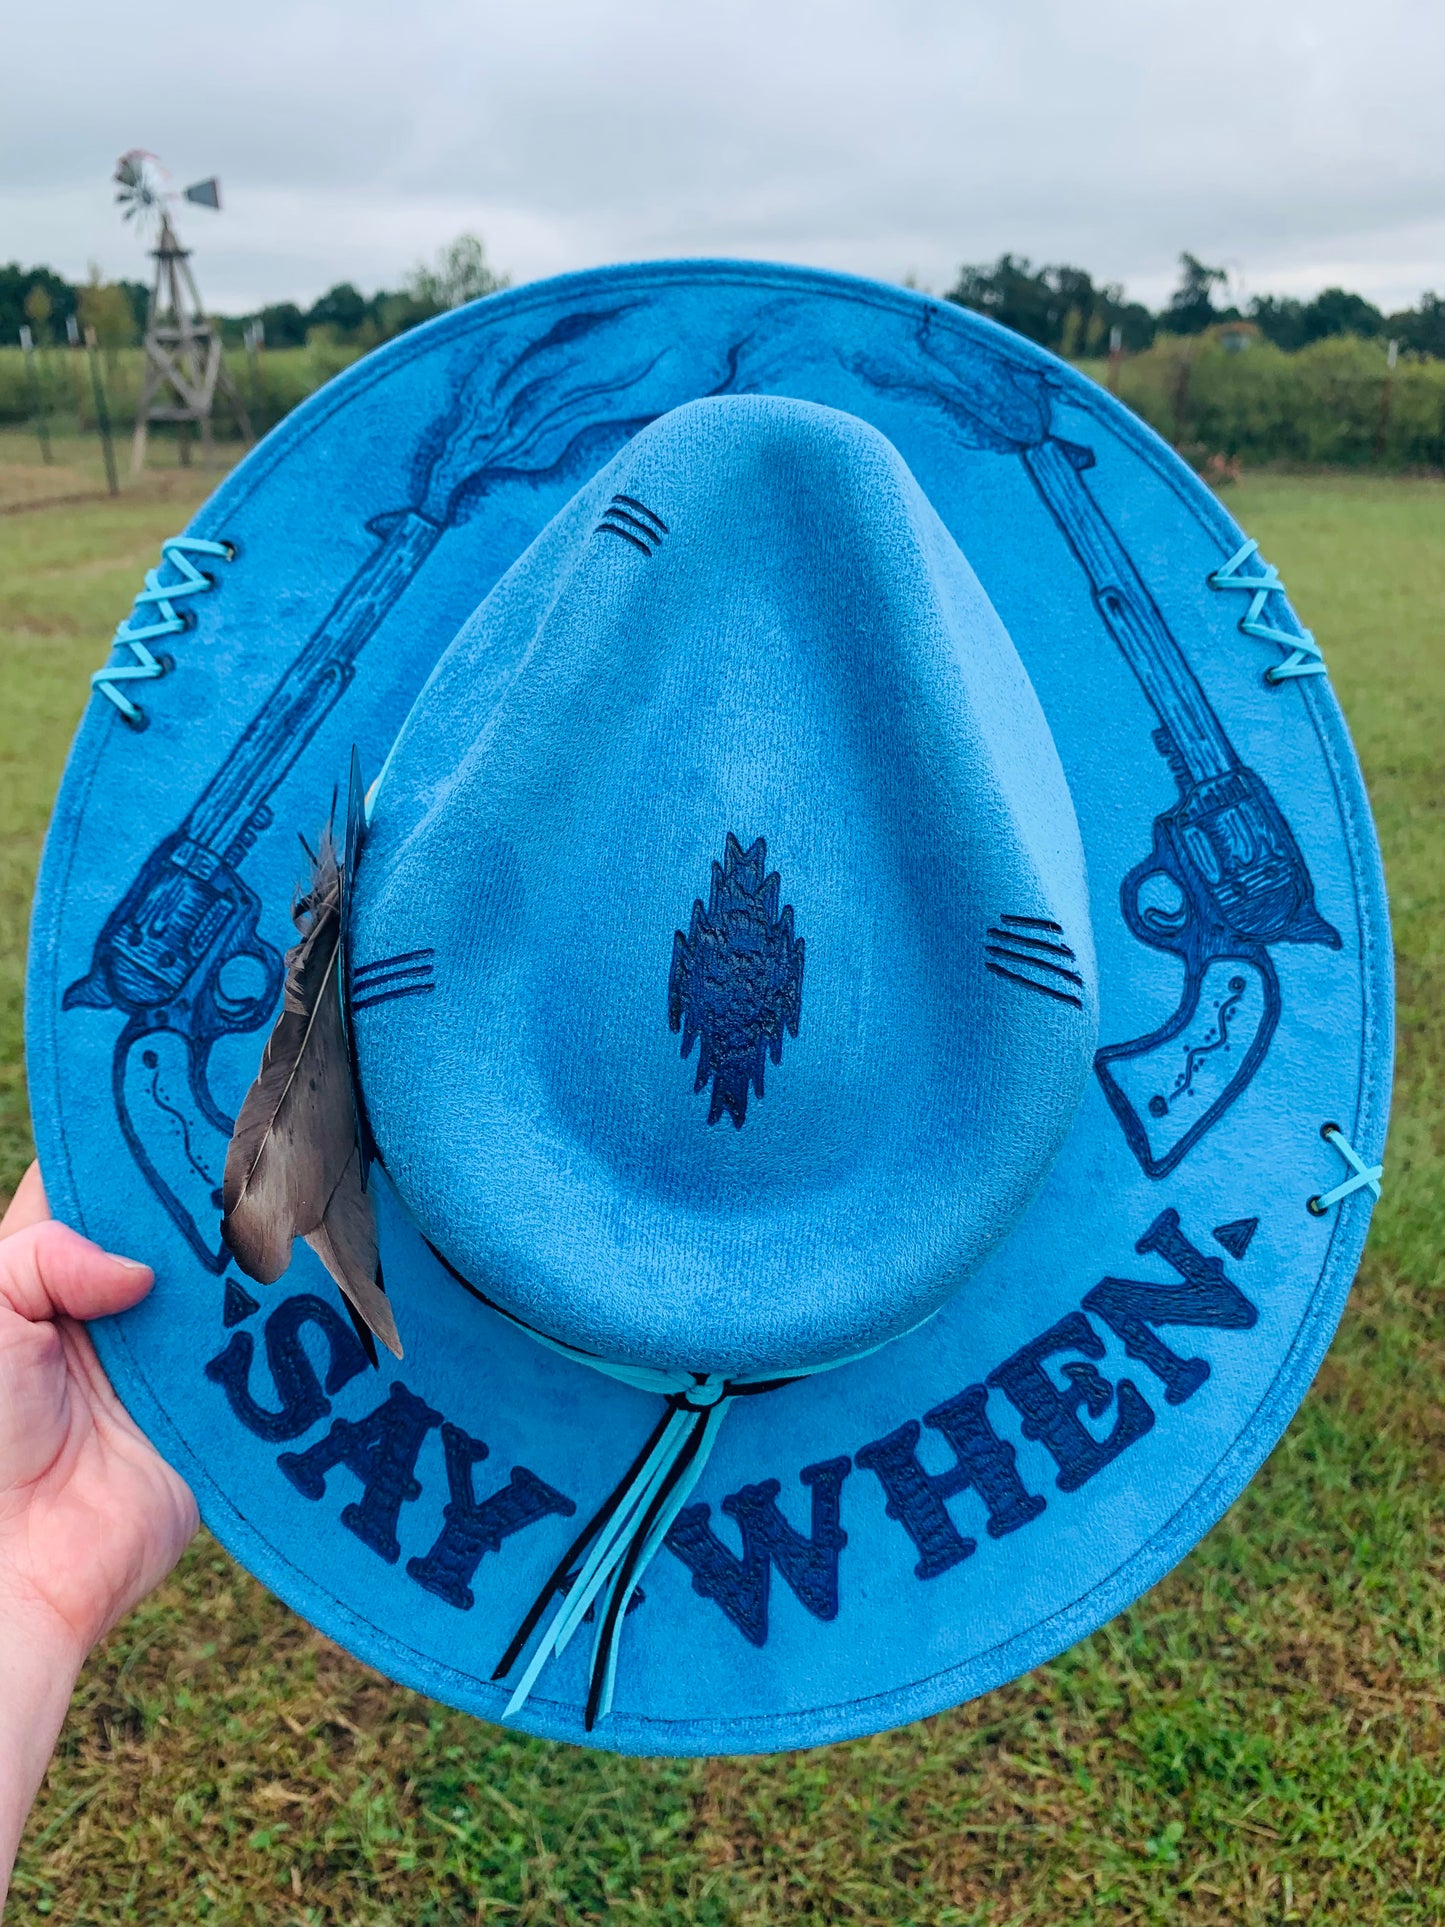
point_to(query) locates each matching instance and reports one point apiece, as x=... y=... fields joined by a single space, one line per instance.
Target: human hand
x=91 y=1516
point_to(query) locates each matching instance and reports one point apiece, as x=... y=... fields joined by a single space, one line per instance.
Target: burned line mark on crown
x=634 y=522
x=1031 y=951
x=408 y=974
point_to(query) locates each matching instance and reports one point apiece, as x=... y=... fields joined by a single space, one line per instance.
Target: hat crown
x=722 y=979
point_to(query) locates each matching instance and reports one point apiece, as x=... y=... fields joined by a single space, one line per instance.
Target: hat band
x=619 y=1541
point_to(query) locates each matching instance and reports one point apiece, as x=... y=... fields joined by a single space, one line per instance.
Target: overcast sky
x=1300 y=142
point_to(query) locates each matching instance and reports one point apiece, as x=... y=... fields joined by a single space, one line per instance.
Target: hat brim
x=1007 y=1477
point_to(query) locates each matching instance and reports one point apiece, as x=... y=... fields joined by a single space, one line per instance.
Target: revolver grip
x=176 y=1130
x=1172 y=1085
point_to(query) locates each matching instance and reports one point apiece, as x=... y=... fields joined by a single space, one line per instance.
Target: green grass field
x=1260 y=1740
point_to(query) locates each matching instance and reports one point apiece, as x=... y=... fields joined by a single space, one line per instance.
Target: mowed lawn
x=1257 y=1741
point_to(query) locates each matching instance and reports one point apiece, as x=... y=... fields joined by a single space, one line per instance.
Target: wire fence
x=65 y=406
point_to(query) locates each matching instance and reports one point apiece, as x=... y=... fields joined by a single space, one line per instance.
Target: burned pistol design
x=1224 y=879
x=181 y=955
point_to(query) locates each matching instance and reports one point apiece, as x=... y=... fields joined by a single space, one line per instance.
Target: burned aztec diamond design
x=737 y=979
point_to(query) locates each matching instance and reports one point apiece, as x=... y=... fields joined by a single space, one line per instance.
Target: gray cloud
x=1298 y=142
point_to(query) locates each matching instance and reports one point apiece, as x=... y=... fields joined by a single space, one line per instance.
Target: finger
x=48 y=1268
x=28 y=1206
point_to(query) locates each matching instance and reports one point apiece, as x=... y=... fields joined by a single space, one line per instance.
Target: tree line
x=1060 y=307
x=1063 y=308
x=45 y=302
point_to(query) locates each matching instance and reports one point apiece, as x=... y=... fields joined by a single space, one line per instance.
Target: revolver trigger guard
x=1161 y=929
x=249 y=1013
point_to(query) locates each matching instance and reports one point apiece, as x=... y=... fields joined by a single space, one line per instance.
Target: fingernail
x=131 y=1264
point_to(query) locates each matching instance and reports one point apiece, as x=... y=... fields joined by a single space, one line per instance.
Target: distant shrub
x=1322 y=405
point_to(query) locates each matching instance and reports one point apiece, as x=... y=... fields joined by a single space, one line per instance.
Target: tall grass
x=270 y=386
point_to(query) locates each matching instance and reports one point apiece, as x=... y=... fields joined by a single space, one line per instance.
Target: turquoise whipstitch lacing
x=1366 y=1176
x=168 y=620
x=1305 y=657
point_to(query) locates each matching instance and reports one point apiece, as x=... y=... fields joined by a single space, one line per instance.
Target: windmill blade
x=205 y=193
x=140 y=179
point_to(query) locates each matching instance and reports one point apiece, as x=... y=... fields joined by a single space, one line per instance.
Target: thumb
x=47 y=1270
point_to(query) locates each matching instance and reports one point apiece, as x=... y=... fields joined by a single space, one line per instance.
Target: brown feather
x=345 y=1242
x=292 y=1170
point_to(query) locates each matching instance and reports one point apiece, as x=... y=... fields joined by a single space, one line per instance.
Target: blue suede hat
x=867 y=984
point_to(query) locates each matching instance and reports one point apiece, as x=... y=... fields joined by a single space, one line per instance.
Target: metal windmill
x=184 y=371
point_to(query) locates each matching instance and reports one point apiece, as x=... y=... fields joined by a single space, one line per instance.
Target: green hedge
x=1323 y=404
x=1257 y=404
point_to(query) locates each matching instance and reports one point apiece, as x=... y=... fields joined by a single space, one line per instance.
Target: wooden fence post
x=102 y=412
x=37 y=395
x=1392 y=355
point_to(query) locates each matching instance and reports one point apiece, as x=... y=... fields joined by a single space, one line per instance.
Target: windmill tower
x=184 y=371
